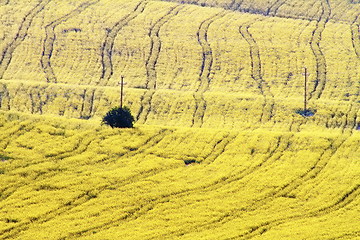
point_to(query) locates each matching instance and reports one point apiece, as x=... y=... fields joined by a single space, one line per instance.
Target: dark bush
x=119 y=118
x=306 y=113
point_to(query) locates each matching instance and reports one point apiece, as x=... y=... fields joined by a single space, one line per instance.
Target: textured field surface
x=218 y=150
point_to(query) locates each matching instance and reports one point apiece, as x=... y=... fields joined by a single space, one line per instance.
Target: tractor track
x=355 y=36
x=88 y=195
x=145 y=207
x=321 y=72
x=20 y=36
x=283 y=191
x=150 y=64
x=272 y=10
x=344 y=201
x=205 y=69
x=256 y=74
x=87 y=106
x=155 y=46
x=50 y=38
x=4 y=95
x=108 y=45
x=219 y=148
x=145 y=106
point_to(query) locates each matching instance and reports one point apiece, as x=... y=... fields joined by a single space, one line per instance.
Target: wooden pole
x=121 y=91
x=305 y=90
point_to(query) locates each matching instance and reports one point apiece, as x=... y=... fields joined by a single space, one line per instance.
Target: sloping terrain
x=218 y=150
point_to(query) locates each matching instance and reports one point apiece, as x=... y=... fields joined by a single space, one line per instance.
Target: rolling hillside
x=218 y=150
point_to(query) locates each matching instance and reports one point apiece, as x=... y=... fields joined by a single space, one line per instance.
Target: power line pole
x=121 y=91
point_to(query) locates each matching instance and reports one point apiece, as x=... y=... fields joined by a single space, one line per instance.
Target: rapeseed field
x=218 y=150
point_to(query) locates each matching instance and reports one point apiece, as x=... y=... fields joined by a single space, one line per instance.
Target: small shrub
x=119 y=118
x=306 y=113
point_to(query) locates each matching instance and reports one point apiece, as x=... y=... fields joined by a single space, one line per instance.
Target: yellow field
x=218 y=150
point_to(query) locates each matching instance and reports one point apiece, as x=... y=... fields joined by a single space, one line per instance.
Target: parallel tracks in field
x=321 y=72
x=7 y=53
x=355 y=35
x=50 y=38
x=205 y=69
x=108 y=45
x=151 y=61
x=256 y=74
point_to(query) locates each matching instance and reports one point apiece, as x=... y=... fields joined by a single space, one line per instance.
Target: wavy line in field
x=344 y=201
x=150 y=64
x=320 y=81
x=262 y=85
x=205 y=69
x=50 y=38
x=13 y=231
x=312 y=173
x=219 y=148
x=85 y=197
x=155 y=46
x=355 y=36
x=142 y=209
x=20 y=36
x=87 y=106
x=145 y=106
x=284 y=191
x=272 y=10
x=4 y=95
x=108 y=45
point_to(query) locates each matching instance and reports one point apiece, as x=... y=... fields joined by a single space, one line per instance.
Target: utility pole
x=121 y=91
x=305 y=89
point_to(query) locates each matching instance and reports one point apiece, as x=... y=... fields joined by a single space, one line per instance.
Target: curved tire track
x=355 y=36
x=320 y=80
x=150 y=64
x=344 y=201
x=272 y=11
x=50 y=38
x=87 y=195
x=155 y=47
x=20 y=36
x=264 y=88
x=282 y=146
x=108 y=45
x=205 y=69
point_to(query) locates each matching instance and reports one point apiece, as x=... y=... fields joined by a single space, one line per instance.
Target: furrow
x=256 y=75
x=155 y=46
x=205 y=69
x=151 y=142
x=20 y=36
x=4 y=97
x=108 y=45
x=12 y=232
x=283 y=191
x=320 y=81
x=344 y=201
x=87 y=196
x=355 y=36
x=281 y=145
x=87 y=106
x=272 y=11
x=145 y=106
x=50 y=38
x=200 y=108
x=219 y=148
